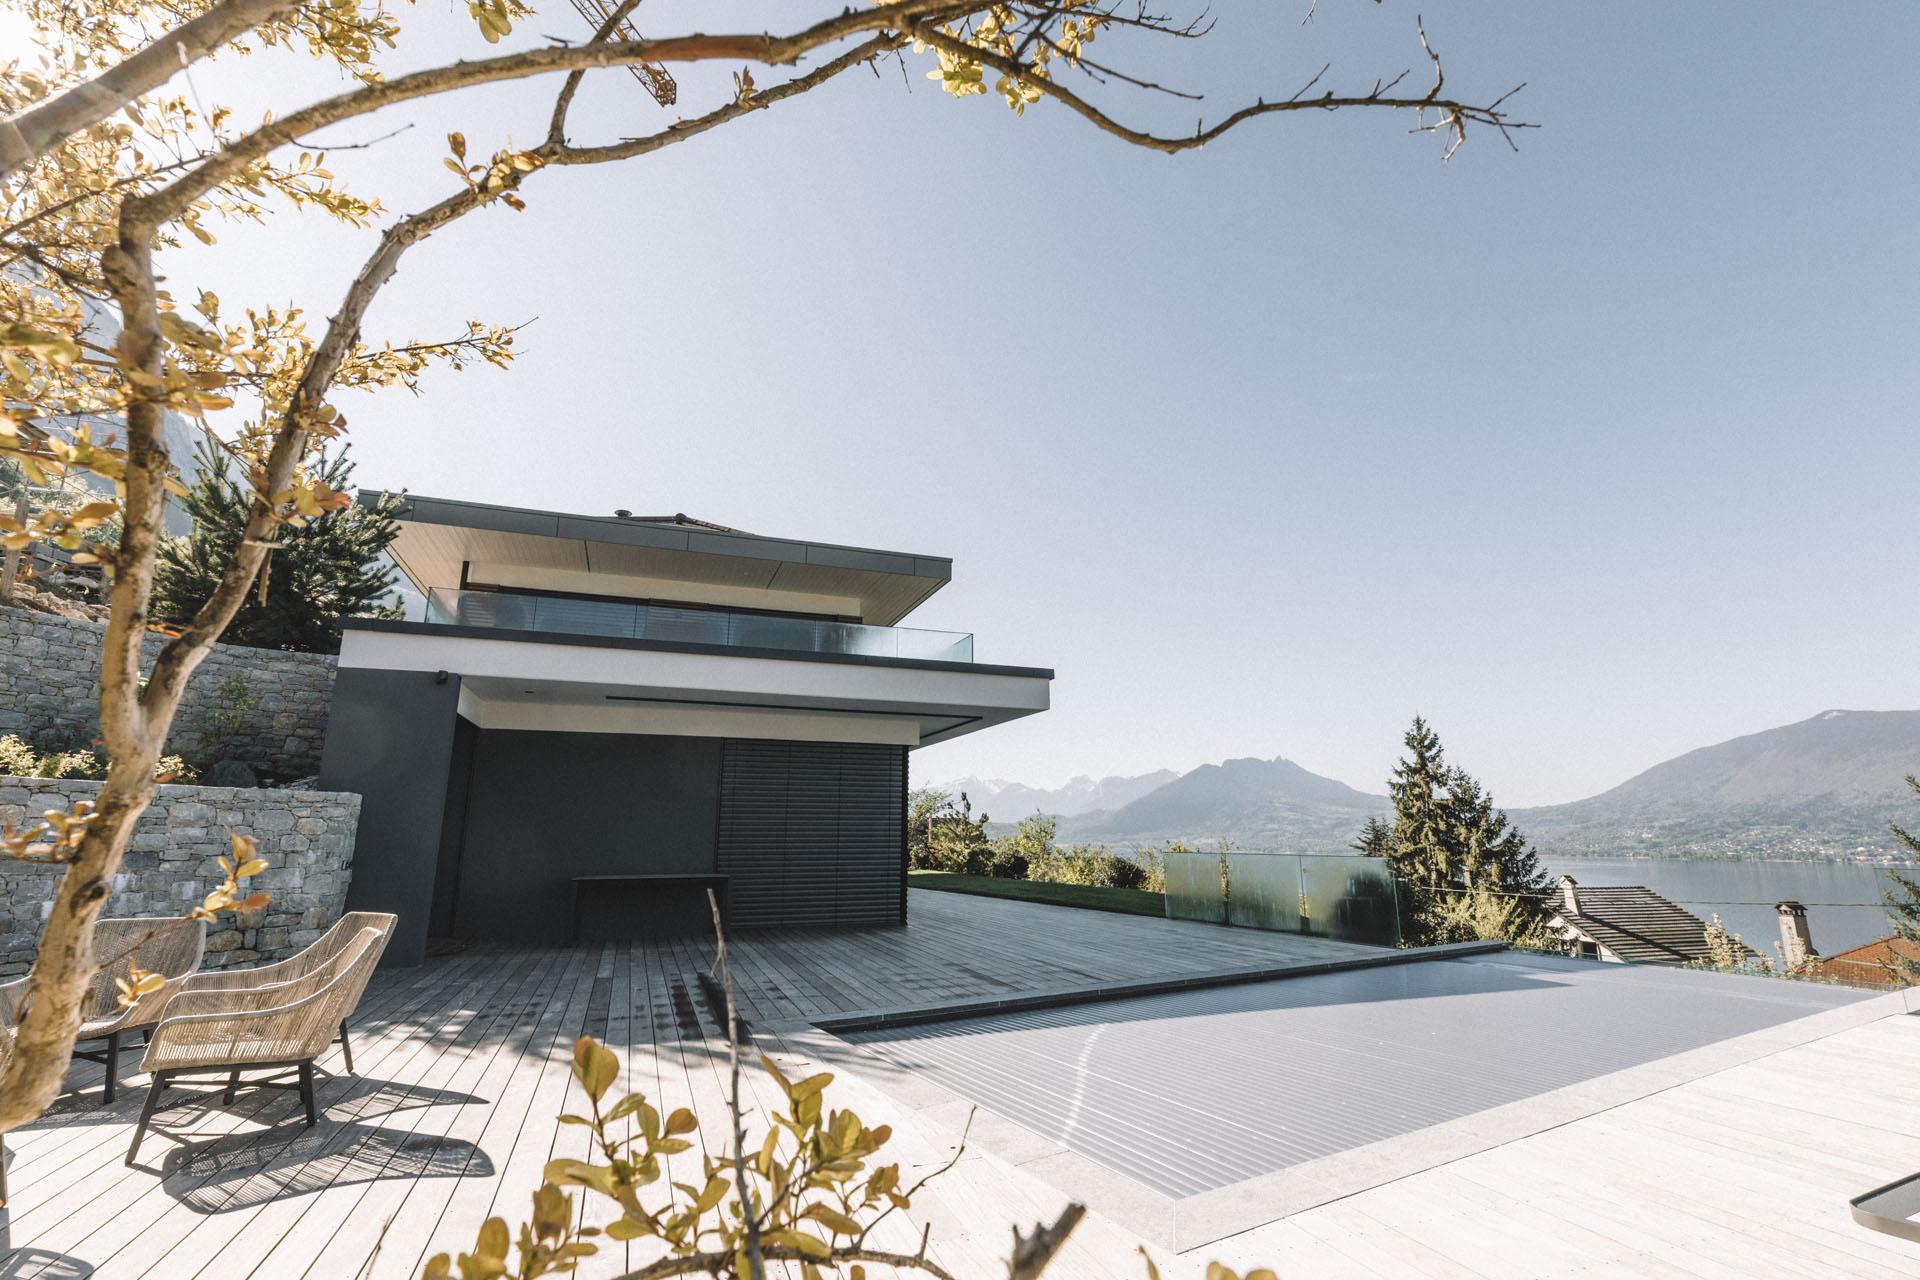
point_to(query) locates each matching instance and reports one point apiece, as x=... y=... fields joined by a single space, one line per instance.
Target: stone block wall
x=305 y=836
x=50 y=695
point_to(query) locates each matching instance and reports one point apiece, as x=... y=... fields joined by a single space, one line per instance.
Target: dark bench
x=621 y=908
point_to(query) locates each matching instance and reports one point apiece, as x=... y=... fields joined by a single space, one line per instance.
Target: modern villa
x=602 y=717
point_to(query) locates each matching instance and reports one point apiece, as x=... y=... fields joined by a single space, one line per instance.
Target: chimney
x=1796 y=938
x=1570 y=900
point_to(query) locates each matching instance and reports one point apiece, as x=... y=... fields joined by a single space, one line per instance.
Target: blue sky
x=1592 y=454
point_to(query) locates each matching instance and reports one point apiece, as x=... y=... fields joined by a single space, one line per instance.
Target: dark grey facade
x=520 y=836
x=391 y=739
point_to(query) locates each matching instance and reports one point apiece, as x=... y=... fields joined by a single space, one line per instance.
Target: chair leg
x=113 y=1067
x=306 y=1093
x=346 y=1046
x=233 y=1084
x=154 y=1091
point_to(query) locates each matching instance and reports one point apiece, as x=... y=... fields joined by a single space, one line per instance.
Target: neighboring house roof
x=1639 y=925
x=1870 y=964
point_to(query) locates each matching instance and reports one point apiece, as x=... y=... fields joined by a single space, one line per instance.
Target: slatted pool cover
x=1195 y=1090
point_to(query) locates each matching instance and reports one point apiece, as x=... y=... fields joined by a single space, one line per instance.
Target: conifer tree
x=1417 y=847
x=330 y=567
x=1464 y=871
x=1374 y=840
x=1903 y=907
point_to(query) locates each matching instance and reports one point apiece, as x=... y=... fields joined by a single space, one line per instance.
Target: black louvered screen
x=812 y=833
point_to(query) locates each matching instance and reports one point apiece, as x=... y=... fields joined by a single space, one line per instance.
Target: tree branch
x=1454 y=115
x=169 y=202
x=184 y=653
x=1033 y=1254
x=681 y=130
x=29 y=134
x=713 y=1264
x=557 y=126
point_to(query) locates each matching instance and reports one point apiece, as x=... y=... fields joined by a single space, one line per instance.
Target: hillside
x=1824 y=787
x=1011 y=801
x=1258 y=804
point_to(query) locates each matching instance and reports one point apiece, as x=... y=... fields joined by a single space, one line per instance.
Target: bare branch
x=695 y=1264
x=557 y=126
x=680 y=131
x=1033 y=1254
x=1454 y=115
x=756 y=1268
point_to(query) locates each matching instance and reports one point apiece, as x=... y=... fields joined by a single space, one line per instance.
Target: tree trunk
x=64 y=967
x=10 y=569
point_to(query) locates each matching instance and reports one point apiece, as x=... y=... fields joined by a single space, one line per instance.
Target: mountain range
x=1825 y=787
x=1014 y=800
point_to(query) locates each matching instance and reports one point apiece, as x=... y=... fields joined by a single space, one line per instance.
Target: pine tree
x=1903 y=908
x=1464 y=871
x=1374 y=840
x=1417 y=846
x=328 y=568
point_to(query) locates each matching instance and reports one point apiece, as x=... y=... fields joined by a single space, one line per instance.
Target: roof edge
x=426 y=509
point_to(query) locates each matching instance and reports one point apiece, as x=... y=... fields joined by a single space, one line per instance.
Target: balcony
x=613 y=618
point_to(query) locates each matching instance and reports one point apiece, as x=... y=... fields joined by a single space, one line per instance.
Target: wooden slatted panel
x=811 y=833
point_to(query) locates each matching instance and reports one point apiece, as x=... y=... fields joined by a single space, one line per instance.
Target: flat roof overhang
x=445 y=543
x=594 y=684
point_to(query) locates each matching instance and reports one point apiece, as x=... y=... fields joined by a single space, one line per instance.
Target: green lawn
x=1133 y=902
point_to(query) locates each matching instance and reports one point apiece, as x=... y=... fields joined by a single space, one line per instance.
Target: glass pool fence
x=1346 y=897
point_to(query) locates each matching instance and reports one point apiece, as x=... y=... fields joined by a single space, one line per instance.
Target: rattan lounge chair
x=322 y=950
x=278 y=1028
x=166 y=945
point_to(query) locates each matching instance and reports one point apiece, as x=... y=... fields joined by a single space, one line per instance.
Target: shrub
x=943 y=836
x=1003 y=861
x=1093 y=865
x=19 y=759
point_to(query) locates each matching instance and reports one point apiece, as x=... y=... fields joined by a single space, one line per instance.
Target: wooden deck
x=463 y=1069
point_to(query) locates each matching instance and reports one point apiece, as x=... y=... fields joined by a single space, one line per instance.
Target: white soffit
x=943 y=703
x=495 y=704
x=438 y=536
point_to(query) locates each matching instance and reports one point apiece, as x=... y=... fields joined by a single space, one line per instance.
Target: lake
x=1842 y=898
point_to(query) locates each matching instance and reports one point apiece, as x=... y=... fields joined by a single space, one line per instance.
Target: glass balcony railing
x=510 y=612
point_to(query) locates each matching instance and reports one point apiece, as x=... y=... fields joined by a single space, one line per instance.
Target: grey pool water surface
x=1195 y=1090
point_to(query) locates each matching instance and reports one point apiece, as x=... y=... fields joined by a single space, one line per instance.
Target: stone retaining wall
x=305 y=836
x=50 y=695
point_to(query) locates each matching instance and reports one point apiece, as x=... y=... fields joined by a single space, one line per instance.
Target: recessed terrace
x=673 y=624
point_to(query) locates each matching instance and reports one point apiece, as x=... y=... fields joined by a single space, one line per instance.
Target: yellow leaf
x=833 y=1220
x=594 y=1066
x=810 y=1086
x=493 y=1241
x=800 y=1242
